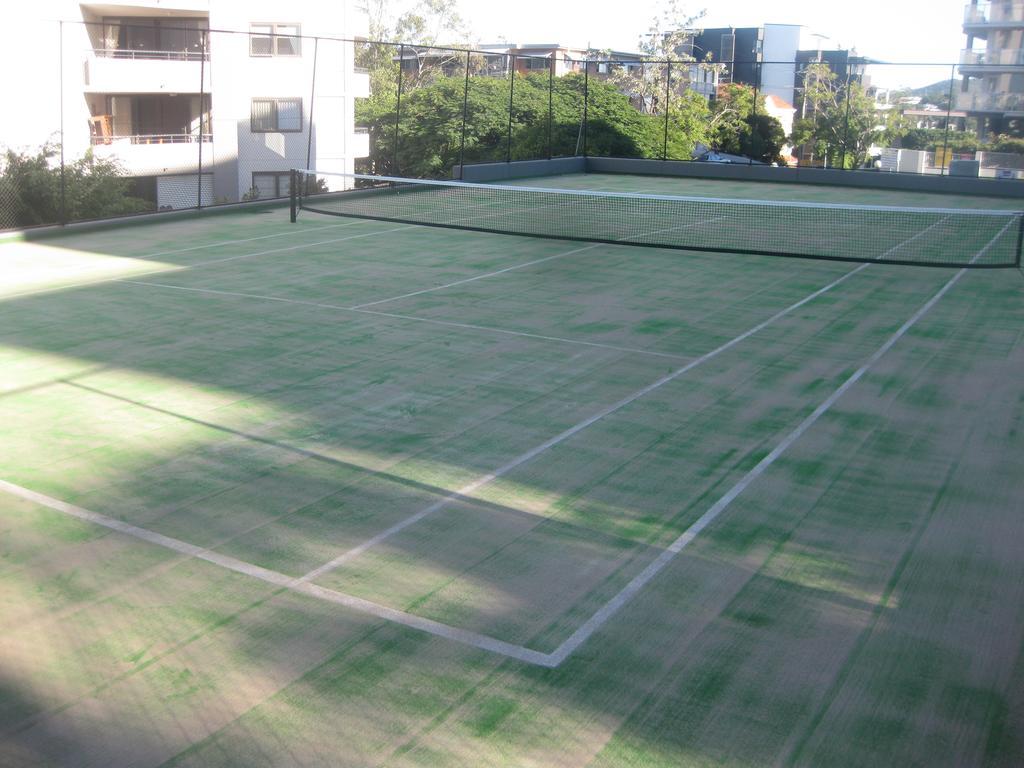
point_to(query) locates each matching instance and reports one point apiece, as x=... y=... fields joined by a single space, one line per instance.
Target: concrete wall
x=485 y=172
x=862 y=179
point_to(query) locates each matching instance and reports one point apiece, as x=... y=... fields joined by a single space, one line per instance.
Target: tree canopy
x=30 y=188
x=842 y=124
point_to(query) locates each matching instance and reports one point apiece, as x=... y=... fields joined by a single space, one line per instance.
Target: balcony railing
x=1013 y=57
x=159 y=138
x=995 y=13
x=978 y=100
x=128 y=53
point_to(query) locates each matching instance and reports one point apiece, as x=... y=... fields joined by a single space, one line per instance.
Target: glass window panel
x=287 y=42
x=260 y=40
x=263 y=186
x=262 y=115
x=289 y=115
x=141 y=36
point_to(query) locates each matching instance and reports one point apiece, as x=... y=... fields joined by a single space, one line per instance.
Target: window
x=534 y=62
x=276 y=115
x=270 y=184
x=274 y=40
x=146 y=38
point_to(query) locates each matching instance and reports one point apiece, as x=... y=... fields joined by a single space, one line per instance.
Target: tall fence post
x=551 y=103
x=511 y=97
x=62 y=214
x=398 y=108
x=586 y=103
x=668 y=103
x=846 y=123
x=202 y=104
x=312 y=98
x=465 y=115
x=757 y=93
x=949 y=117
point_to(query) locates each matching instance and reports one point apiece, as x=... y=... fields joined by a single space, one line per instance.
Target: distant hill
x=936 y=93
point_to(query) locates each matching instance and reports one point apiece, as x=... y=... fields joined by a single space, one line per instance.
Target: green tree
x=738 y=128
x=1004 y=143
x=30 y=188
x=841 y=124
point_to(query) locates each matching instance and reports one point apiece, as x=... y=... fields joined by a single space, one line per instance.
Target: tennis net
x=945 y=237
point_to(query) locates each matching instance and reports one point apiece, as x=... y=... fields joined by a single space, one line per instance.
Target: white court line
x=477 y=277
x=544 y=337
x=469 y=488
x=609 y=609
x=238 y=242
x=673 y=229
x=412 y=318
x=477 y=640
x=525 y=457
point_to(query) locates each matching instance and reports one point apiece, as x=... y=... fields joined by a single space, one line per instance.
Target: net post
x=586 y=101
x=949 y=117
x=465 y=115
x=62 y=214
x=668 y=98
x=312 y=96
x=202 y=100
x=1020 y=240
x=293 y=194
x=551 y=101
x=511 y=97
x=398 y=107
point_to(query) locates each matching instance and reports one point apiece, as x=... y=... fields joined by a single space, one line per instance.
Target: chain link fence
x=130 y=117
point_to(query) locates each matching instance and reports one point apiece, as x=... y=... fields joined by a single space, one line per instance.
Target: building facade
x=760 y=57
x=992 y=91
x=204 y=101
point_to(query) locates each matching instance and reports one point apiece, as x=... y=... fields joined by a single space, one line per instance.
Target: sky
x=890 y=30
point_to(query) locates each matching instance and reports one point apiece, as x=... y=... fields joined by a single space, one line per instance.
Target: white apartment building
x=156 y=84
x=993 y=87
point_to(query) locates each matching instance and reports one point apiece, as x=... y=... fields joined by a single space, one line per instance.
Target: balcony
x=979 y=19
x=980 y=63
x=156 y=154
x=977 y=100
x=134 y=71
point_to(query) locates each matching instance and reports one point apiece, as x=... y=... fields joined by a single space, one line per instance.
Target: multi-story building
x=761 y=57
x=212 y=100
x=993 y=77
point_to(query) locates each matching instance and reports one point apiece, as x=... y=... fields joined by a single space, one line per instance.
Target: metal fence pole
x=398 y=108
x=202 y=103
x=312 y=97
x=668 y=101
x=551 y=102
x=586 y=101
x=846 y=125
x=62 y=214
x=949 y=113
x=511 y=97
x=465 y=115
x=753 y=115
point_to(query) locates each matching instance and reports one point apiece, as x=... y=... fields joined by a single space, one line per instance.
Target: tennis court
x=358 y=492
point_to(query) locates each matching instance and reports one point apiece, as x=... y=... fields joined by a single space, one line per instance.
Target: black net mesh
x=918 y=236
